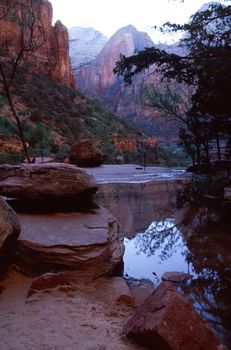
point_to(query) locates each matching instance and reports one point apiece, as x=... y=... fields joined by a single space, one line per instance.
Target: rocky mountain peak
x=126 y=41
x=98 y=74
x=96 y=79
x=140 y=39
x=85 y=44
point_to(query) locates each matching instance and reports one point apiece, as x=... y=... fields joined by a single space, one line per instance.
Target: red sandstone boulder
x=45 y=181
x=85 y=154
x=90 y=242
x=168 y=321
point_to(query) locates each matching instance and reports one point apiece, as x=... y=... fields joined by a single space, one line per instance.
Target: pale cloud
x=108 y=16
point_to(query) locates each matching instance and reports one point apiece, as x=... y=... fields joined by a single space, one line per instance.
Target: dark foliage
x=206 y=65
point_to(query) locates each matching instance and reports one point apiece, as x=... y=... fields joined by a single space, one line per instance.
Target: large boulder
x=9 y=224
x=167 y=321
x=90 y=242
x=86 y=154
x=45 y=181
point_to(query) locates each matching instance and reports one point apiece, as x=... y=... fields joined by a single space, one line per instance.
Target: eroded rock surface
x=50 y=281
x=9 y=224
x=168 y=321
x=86 y=154
x=45 y=181
x=91 y=242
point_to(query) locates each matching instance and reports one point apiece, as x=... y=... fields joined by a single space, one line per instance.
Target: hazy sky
x=108 y=16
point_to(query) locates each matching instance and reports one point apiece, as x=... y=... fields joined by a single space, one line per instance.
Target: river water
x=156 y=242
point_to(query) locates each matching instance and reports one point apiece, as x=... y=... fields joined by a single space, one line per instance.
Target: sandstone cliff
x=99 y=74
x=85 y=44
x=97 y=79
x=52 y=58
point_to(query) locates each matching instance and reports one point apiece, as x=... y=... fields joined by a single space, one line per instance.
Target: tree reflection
x=209 y=253
x=160 y=235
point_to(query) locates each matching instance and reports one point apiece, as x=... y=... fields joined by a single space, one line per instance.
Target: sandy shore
x=89 y=317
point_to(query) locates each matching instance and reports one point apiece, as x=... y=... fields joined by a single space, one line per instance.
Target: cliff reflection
x=137 y=204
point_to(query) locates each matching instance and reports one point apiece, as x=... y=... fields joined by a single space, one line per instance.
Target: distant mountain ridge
x=95 y=78
x=98 y=75
x=54 y=114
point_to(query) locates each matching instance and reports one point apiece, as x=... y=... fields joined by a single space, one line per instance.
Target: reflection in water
x=162 y=236
x=159 y=249
x=136 y=205
x=164 y=246
x=210 y=256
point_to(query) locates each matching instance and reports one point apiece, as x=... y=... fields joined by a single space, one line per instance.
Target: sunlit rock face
x=125 y=41
x=52 y=57
x=85 y=44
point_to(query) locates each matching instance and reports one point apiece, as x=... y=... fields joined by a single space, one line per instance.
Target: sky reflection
x=157 y=250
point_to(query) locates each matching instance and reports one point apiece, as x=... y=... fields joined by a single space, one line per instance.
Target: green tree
x=205 y=65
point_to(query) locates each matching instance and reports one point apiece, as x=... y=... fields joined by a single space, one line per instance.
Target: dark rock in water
x=85 y=154
x=45 y=181
x=167 y=321
x=175 y=276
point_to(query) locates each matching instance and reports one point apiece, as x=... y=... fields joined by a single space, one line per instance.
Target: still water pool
x=156 y=242
x=158 y=249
